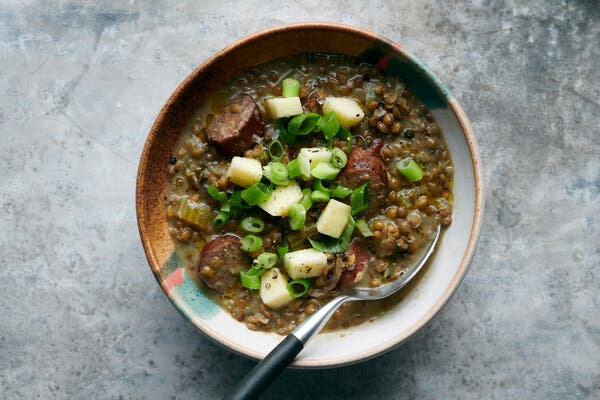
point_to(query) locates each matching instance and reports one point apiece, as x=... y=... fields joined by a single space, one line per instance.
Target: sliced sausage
x=358 y=260
x=365 y=166
x=220 y=263
x=232 y=129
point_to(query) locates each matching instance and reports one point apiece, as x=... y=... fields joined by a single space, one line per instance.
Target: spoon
x=266 y=371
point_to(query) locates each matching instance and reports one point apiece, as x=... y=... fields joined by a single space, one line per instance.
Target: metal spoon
x=266 y=371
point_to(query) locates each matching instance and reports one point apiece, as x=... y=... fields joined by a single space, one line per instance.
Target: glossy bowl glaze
x=421 y=302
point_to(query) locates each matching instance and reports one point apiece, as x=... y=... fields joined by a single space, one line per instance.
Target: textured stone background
x=82 y=317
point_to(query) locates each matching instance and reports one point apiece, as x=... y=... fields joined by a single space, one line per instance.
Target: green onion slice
x=319 y=196
x=410 y=169
x=336 y=245
x=252 y=225
x=256 y=193
x=221 y=219
x=363 y=228
x=216 y=194
x=249 y=281
x=265 y=260
x=237 y=201
x=306 y=200
x=319 y=185
x=330 y=126
x=282 y=250
x=340 y=192
x=276 y=150
x=293 y=168
x=251 y=243
x=290 y=87
x=297 y=217
x=303 y=124
x=284 y=136
x=325 y=171
x=298 y=287
x=344 y=134
x=277 y=173
x=359 y=199
x=338 y=158
x=255 y=271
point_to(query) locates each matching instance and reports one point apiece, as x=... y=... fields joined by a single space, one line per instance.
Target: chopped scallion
x=277 y=173
x=344 y=134
x=221 y=219
x=298 y=287
x=303 y=124
x=249 y=281
x=216 y=194
x=363 y=228
x=338 y=158
x=359 y=199
x=340 y=192
x=236 y=205
x=251 y=243
x=306 y=200
x=293 y=169
x=252 y=224
x=284 y=136
x=297 y=217
x=410 y=169
x=265 y=260
x=255 y=271
x=325 y=171
x=318 y=196
x=282 y=250
x=276 y=150
x=329 y=125
x=256 y=193
x=318 y=185
x=290 y=87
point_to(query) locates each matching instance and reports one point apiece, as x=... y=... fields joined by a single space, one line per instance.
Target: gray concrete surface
x=82 y=317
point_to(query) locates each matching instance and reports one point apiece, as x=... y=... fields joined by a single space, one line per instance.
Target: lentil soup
x=301 y=177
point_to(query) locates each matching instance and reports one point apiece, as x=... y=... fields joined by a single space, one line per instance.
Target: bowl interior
x=420 y=303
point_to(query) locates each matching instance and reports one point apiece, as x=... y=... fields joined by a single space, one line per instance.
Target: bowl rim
x=469 y=136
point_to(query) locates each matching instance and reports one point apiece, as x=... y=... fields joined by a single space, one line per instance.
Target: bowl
x=420 y=303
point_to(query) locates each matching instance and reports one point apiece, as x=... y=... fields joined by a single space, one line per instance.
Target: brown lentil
x=388 y=119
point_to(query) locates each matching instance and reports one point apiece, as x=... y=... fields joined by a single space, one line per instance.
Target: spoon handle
x=266 y=371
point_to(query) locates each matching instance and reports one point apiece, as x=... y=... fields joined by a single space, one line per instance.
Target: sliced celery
x=193 y=213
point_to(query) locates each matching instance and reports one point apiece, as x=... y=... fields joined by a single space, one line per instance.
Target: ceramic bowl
x=421 y=302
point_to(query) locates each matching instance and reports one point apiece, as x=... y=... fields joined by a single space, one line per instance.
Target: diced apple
x=309 y=157
x=306 y=263
x=273 y=289
x=333 y=219
x=346 y=109
x=282 y=198
x=280 y=107
x=244 y=171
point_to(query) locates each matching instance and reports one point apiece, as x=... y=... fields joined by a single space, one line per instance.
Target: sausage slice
x=358 y=261
x=364 y=166
x=220 y=263
x=232 y=130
